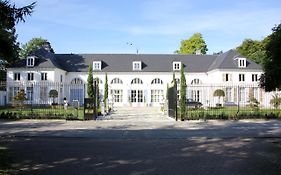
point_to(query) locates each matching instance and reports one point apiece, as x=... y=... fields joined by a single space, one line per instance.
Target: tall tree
x=32 y=46
x=90 y=81
x=9 y=47
x=182 y=94
x=9 y=17
x=254 y=50
x=105 y=96
x=272 y=66
x=195 y=44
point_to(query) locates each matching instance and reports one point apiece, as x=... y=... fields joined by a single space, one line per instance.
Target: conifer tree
x=182 y=94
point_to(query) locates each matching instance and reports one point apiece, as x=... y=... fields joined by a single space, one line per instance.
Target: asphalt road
x=197 y=155
x=138 y=141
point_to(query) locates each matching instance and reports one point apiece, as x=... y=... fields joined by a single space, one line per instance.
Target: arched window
x=76 y=81
x=196 y=81
x=116 y=81
x=100 y=81
x=157 y=81
x=136 y=81
x=177 y=81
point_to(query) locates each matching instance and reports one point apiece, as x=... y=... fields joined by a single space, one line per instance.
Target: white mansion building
x=136 y=79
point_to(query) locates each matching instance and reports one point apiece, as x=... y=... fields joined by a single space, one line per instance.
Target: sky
x=149 y=26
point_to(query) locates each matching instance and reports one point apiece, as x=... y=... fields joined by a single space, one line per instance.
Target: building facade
x=136 y=79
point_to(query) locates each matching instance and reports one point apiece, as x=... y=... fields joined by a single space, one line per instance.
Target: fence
x=231 y=101
x=43 y=100
x=47 y=100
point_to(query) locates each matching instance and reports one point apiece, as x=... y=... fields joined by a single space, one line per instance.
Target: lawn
x=43 y=113
x=232 y=113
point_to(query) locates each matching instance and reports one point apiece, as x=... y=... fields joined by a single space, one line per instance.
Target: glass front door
x=137 y=96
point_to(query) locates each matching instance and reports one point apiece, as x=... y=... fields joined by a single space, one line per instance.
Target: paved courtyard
x=143 y=141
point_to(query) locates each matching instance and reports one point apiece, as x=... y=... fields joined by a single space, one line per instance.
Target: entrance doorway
x=137 y=97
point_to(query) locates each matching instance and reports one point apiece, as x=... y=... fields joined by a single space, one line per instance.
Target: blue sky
x=153 y=26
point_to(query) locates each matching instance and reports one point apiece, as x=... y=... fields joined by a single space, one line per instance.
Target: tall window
x=136 y=81
x=228 y=94
x=157 y=81
x=241 y=77
x=116 y=81
x=242 y=95
x=43 y=93
x=117 y=95
x=226 y=77
x=43 y=76
x=29 y=93
x=17 y=76
x=30 y=76
x=156 y=95
x=254 y=77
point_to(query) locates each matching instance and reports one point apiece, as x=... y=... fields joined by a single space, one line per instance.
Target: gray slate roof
x=150 y=62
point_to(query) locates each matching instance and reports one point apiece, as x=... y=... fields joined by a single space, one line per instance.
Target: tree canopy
x=32 y=46
x=272 y=65
x=193 y=45
x=9 y=17
x=254 y=50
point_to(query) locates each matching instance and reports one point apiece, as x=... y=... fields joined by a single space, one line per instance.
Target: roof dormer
x=30 y=61
x=176 y=65
x=242 y=62
x=97 y=65
x=137 y=65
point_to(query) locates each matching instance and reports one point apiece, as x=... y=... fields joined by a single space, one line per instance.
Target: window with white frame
x=29 y=93
x=227 y=77
x=196 y=81
x=241 y=77
x=117 y=95
x=44 y=76
x=43 y=93
x=17 y=76
x=242 y=62
x=228 y=94
x=177 y=81
x=30 y=61
x=157 y=81
x=98 y=80
x=136 y=81
x=97 y=65
x=116 y=81
x=242 y=94
x=137 y=65
x=30 y=76
x=255 y=77
x=157 y=95
x=76 y=81
x=176 y=65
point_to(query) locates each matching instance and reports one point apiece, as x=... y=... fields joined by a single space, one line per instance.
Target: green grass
x=5 y=161
x=231 y=113
x=44 y=112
